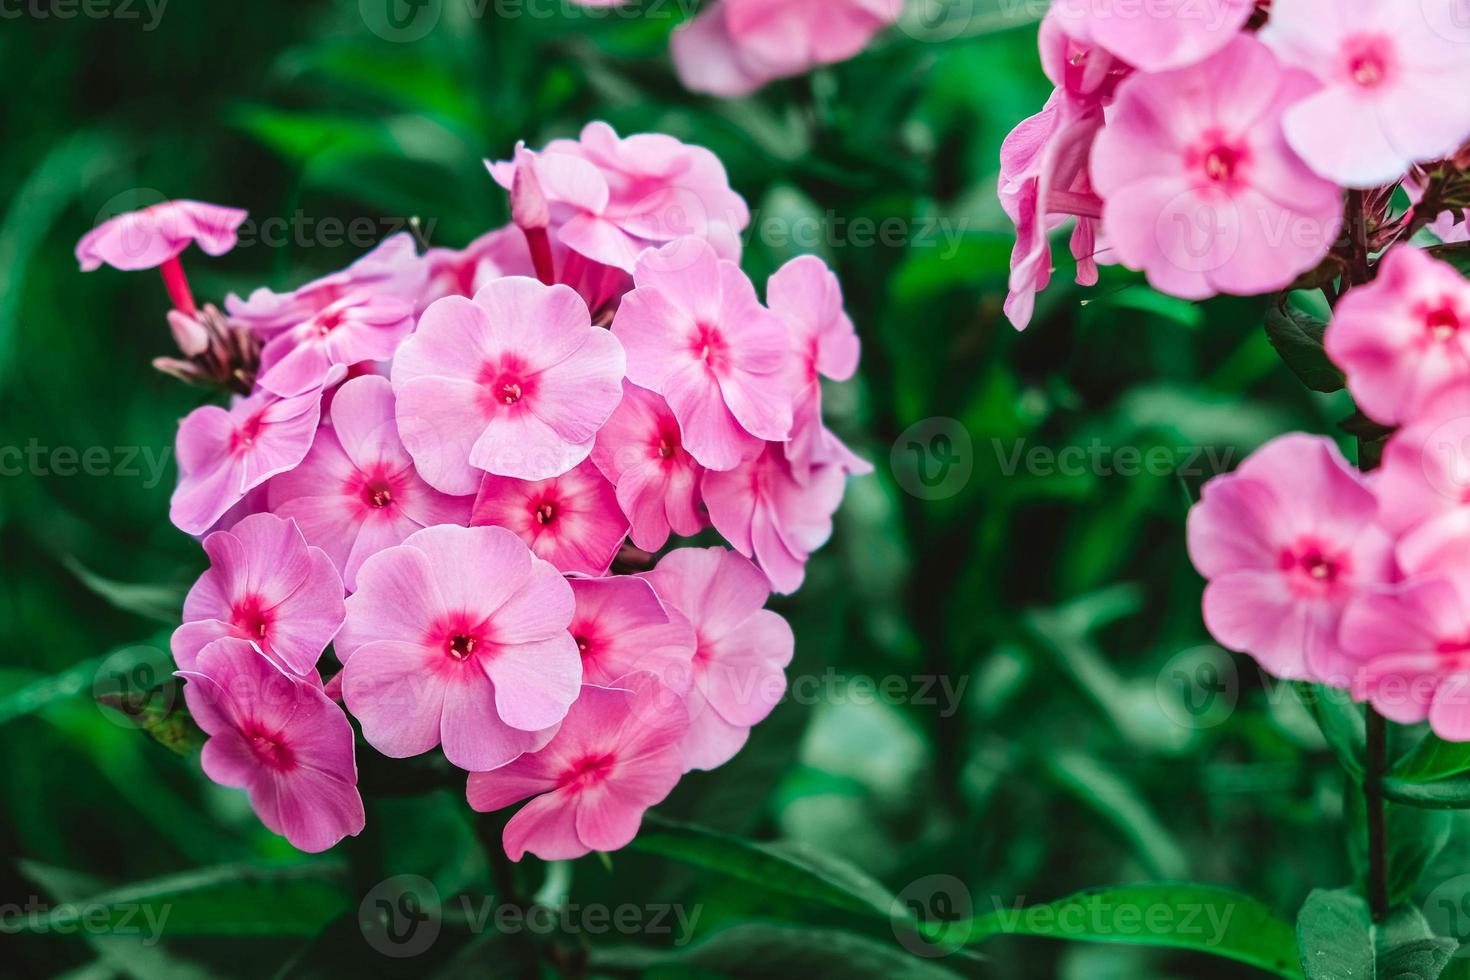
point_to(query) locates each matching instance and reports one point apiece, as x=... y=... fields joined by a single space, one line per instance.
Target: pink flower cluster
x=1207 y=144
x=442 y=459
x=1362 y=581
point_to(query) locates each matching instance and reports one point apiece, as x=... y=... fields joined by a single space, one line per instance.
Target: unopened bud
x=528 y=207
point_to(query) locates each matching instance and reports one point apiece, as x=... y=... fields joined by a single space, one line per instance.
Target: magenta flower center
x=251 y=618
x=667 y=445
x=378 y=494
x=271 y=752
x=588 y=770
x=1443 y=321
x=246 y=433
x=710 y=347
x=1312 y=568
x=584 y=645
x=1219 y=160
x=545 y=512
x=1369 y=60
x=510 y=393
x=327 y=321
x=461 y=645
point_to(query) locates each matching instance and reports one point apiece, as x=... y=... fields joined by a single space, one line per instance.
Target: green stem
x=1377 y=731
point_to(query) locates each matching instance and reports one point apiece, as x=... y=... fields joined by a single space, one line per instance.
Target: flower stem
x=178 y=286
x=1377 y=731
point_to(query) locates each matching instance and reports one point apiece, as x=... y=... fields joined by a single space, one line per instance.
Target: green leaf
x=1338 y=940
x=1203 y=918
x=1297 y=337
x=228 y=900
x=161 y=603
x=1433 y=758
x=1341 y=722
x=788 y=867
x=1415 y=837
x=1444 y=794
x=1120 y=803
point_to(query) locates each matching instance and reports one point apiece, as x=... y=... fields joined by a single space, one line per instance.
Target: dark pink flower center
x=667 y=444
x=510 y=393
x=545 y=511
x=710 y=347
x=271 y=751
x=1220 y=160
x=506 y=384
x=588 y=770
x=1369 y=59
x=461 y=645
x=1312 y=567
x=251 y=618
x=329 y=320
x=1443 y=321
x=378 y=493
x=584 y=644
x=246 y=433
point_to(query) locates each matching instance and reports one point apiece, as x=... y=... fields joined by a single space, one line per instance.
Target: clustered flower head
x=1362 y=581
x=1210 y=144
x=456 y=470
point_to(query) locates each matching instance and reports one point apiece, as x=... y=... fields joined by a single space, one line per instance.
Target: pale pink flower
x=357 y=492
x=1423 y=486
x=572 y=520
x=392 y=269
x=768 y=514
x=1200 y=190
x=515 y=382
x=641 y=451
x=741 y=649
x=1392 y=83
x=615 y=756
x=622 y=628
x=1403 y=338
x=357 y=328
x=1412 y=648
x=1286 y=541
x=733 y=47
x=695 y=333
x=806 y=294
x=611 y=197
x=459 y=637
x=1160 y=34
x=148 y=238
x=224 y=454
x=279 y=738
x=265 y=584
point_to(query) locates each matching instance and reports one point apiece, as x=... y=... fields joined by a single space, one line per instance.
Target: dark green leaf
x=1433 y=758
x=1297 y=337
x=162 y=603
x=1339 y=941
x=1445 y=794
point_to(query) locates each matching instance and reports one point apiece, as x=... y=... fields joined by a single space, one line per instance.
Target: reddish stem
x=178 y=286
x=540 y=243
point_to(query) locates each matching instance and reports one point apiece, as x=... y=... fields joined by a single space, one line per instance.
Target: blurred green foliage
x=1054 y=597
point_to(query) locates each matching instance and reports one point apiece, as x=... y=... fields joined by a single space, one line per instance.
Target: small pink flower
x=148 y=238
x=734 y=47
x=279 y=738
x=357 y=328
x=223 y=455
x=1200 y=190
x=1157 y=35
x=768 y=514
x=615 y=756
x=1392 y=83
x=1412 y=648
x=1286 y=541
x=392 y=269
x=572 y=520
x=741 y=649
x=461 y=272
x=515 y=382
x=1403 y=338
x=806 y=294
x=1423 y=486
x=622 y=628
x=611 y=197
x=265 y=585
x=459 y=637
x=357 y=492
x=695 y=333
x=641 y=451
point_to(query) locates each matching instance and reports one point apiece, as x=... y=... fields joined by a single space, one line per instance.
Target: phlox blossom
x=572 y=520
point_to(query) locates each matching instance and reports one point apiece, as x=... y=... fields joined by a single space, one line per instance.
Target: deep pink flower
x=459 y=636
x=610 y=197
x=615 y=756
x=1411 y=645
x=572 y=520
x=1201 y=191
x=734 y=47
x=641 y=451
x=392 y=269
x=1286 y=541
x=357 y=328
x=515 y=382
x=1403 y=338
x=265 y=585
x=695 y=333
x=223 y=455
x=357 y=492
x=1159 y=34
x=741 y=649
x=768 y=514
x=1392 y=83
x=806 y=294
x=148 y=238
x=622 y=628
x=279 y=738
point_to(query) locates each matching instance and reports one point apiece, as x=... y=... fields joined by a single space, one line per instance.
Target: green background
x=1061 y=597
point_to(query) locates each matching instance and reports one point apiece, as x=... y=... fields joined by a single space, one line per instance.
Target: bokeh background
x=1053 y=716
